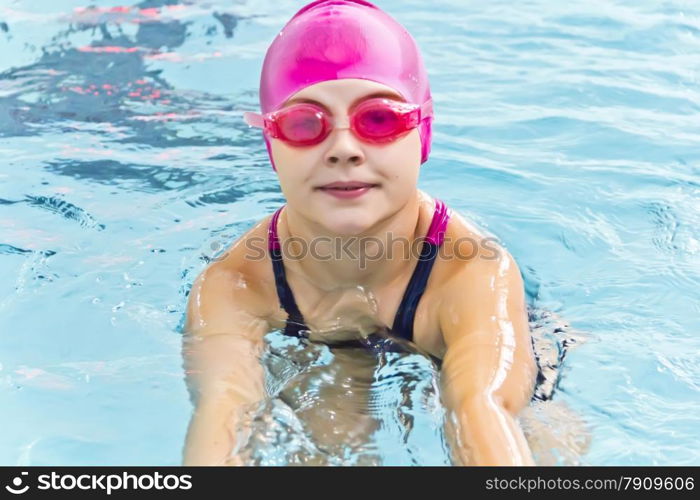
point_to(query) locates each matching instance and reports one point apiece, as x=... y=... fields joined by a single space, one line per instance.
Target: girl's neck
x=378 y=256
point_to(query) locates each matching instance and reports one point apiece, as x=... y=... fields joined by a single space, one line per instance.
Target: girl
x=358 y=249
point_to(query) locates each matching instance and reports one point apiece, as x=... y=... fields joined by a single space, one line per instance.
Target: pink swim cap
x=336 y=39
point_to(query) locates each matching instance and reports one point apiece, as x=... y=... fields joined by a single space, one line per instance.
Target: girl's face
x=391 y=169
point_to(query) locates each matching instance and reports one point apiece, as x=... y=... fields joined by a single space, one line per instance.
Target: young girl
x=358 y=249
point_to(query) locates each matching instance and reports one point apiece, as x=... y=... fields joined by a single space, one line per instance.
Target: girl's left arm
x=489 y=370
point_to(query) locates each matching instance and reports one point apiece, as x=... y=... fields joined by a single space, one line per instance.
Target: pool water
x=570 y=131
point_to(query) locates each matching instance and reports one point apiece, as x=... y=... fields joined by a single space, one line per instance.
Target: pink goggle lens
x=303 y=124
x=378 y=122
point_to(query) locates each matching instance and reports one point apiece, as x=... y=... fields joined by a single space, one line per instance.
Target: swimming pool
x=570 y=132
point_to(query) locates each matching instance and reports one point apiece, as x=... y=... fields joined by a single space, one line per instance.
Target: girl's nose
x=344 y=148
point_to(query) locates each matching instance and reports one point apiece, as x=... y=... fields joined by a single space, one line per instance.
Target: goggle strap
x=254 y=119
x=426 y=109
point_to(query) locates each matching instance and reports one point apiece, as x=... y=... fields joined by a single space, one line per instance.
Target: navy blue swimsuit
x=403 y=321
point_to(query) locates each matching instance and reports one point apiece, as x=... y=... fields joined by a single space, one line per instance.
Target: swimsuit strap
x=403 y=322
x=436 y=231
x=295 y=320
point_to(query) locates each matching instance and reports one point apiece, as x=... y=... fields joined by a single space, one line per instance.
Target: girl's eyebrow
x=383 y=93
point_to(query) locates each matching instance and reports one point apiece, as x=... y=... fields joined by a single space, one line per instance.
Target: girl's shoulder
x=246 y=265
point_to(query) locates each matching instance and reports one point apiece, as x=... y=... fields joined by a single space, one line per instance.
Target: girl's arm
x=489 y=370
x=221 y=349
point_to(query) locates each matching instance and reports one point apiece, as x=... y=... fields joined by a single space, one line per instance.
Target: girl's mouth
x=345 y=190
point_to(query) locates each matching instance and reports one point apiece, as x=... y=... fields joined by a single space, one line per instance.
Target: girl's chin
x=346 y=227
x=348 y=223
x=348 y=220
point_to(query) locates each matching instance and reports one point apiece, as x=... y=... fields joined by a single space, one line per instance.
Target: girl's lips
x=346 y=190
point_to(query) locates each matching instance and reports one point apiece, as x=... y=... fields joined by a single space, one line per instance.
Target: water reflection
x=350 y=404
x=108 y=81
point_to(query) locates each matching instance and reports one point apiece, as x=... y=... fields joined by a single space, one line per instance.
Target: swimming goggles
x=376 y=120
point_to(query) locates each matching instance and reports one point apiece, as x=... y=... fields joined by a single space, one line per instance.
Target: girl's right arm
x=221 y=348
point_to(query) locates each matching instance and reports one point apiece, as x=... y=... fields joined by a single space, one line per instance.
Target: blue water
x=571 y=131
